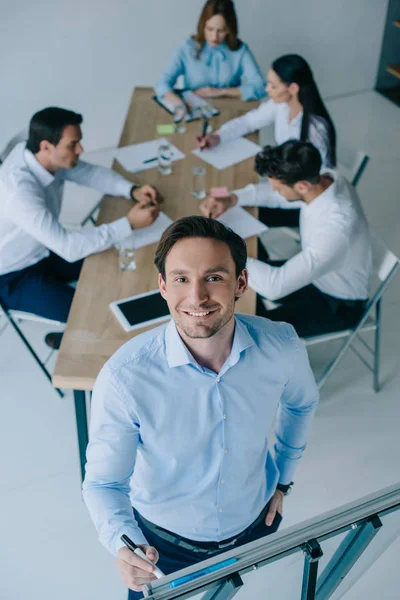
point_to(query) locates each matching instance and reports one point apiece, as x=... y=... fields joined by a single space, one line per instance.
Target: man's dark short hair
x=200 y=227
x=48 y=124
x=290 y=162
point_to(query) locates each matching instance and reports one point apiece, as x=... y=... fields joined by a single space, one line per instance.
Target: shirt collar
x=178 y=354
x=327 y=194
x=208 y=52
x=44 y=177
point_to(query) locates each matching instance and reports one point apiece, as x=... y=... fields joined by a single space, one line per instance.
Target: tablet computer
x=195 y=101
x=141 y=310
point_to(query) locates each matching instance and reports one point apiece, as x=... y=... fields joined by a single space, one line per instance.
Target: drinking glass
x=180 y=116
x=164 y=158
x=199 y=183
x=126 y=250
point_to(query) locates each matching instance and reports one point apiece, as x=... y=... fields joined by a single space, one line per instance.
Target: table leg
x=81 y=427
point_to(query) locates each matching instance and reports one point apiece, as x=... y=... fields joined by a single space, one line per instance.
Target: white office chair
x=385 y=267
x=21 y=136
x=15 y=317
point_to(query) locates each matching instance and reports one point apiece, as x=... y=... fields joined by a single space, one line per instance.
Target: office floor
x=48 y=546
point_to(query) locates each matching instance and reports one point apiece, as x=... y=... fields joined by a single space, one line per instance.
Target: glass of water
x=180 y=115
x=199 y=183
x=164 y=157
x=126 y=250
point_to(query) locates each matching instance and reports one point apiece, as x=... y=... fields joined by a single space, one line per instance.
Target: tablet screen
x=139 y=310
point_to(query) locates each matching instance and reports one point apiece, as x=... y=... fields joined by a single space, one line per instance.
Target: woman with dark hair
x=214 y=62
x=294 y=107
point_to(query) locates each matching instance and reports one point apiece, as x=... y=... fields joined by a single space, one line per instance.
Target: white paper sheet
x=151 y=234
x=228 y=154
x=242 y=222
x=132 y=157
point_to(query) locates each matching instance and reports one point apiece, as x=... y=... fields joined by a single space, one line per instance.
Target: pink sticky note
x=219 y=192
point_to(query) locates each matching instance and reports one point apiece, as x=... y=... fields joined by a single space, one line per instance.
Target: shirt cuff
x=286 y=468
x=246 y=196
x=125 y=188
x=121 y=229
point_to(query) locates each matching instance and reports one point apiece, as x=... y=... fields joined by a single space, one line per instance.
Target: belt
x=200 y=547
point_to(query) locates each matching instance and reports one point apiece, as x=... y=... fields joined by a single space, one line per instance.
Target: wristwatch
x=285 y=489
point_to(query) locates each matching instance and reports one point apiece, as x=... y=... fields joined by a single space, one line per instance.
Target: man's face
x=200 y=286
x=66 y=153
x=295 y=192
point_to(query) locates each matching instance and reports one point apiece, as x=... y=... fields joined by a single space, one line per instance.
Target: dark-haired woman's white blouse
x=269 y=113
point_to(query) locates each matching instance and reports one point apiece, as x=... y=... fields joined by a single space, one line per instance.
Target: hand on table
x=275 y=505
x=208 y=141
x=135 y=572
x=147 y=193
x=143 y=214
x=209 y=92
x=173 y=99
x=214 y=207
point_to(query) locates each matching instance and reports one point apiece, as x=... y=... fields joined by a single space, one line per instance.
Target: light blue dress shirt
x=189 y=445
x=217 y=67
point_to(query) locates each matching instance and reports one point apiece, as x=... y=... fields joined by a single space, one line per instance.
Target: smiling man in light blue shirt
x=181 y=415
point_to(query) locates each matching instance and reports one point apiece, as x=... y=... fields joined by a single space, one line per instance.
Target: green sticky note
x=165 y=129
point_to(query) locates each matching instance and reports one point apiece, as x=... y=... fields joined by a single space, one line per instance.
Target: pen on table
x=186 y=578
x=132 y=546
x=149 y=160
x=203 y=133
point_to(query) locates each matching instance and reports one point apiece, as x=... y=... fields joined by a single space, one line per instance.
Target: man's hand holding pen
x=143 y=213
x=214 y=207
x=145 y=193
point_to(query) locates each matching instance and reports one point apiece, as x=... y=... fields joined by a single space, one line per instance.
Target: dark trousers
x=311 y=312
x=173 y=557
x=42 y=288
x=279 y=217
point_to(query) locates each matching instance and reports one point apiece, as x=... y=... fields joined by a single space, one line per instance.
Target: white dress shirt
x=335 y=241
x=269 y=113
x=30 y=205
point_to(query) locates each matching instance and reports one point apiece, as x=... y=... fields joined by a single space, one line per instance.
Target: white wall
x=87 y=55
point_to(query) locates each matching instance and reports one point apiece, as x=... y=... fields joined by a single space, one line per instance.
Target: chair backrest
x=20 y=137
x=385 y=265
x=351 y=162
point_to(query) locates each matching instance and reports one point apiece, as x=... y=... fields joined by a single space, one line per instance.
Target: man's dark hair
x=195 y=227
x=48 y=124
x=290 y=162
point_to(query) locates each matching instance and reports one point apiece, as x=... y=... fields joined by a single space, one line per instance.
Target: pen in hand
x=134 y=548
x=203 y=133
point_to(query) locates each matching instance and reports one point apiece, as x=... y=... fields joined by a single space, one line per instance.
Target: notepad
x=152 y=233
x=228 y=154
x=142 y=157
x=165 y=129
x=219 y=192
x=242 y=222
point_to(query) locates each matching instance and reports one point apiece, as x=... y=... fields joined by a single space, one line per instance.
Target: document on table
x=142 y=157
x=242 y=222
x=228 y=154
x=152 y=233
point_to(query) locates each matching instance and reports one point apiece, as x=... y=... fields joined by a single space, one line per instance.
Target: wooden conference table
x=93 y=334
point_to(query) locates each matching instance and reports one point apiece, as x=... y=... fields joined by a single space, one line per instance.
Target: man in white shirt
x=37 y=255
x=325 y=286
